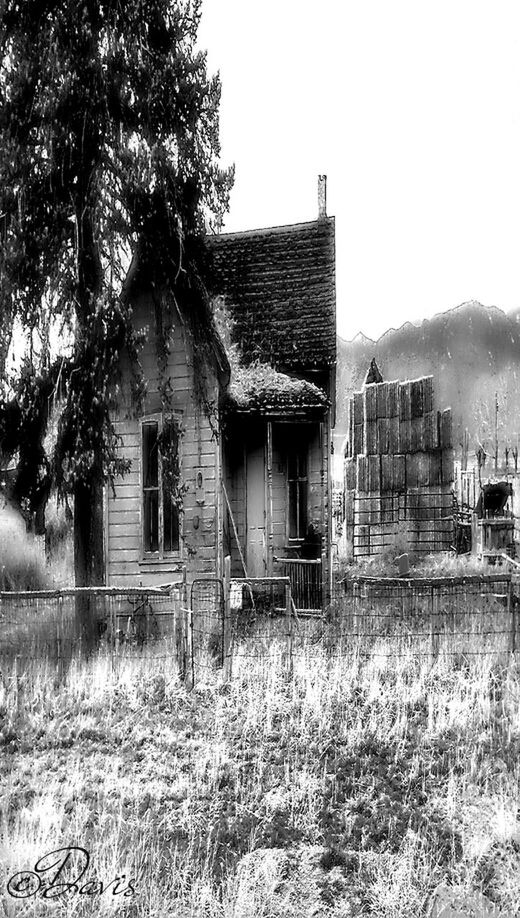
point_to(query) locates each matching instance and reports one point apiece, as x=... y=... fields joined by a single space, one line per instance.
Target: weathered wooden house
x=244 y=470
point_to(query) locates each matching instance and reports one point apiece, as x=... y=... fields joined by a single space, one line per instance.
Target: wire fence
x=473 y=615
x=462 y=617
x=217 y=623
x=61 y=625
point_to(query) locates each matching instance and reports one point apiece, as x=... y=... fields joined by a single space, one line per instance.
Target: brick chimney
x=322 y=197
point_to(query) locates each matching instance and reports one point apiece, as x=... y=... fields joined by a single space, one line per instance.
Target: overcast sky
x=412 y=109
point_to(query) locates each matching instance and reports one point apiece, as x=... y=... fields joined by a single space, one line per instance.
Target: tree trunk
x=88 y=494
x=89 y=568
x=89 y=565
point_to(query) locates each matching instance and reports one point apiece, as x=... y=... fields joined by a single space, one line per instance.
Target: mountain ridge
x=515 y=312
x=472 y=351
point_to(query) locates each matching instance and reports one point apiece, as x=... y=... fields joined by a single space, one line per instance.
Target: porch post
x=326 y=546
x=269 y=508
x=219 y=516
x=324 y=527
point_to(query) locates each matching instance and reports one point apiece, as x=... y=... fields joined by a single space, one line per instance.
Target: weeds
x=353 y=788
x=440 y=564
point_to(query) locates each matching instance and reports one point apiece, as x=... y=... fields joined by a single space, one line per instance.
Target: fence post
x=288 y=619
x=188 y=612
x=180 y=644
x=59 y=641
x=511 y=608
x=16 y=686
x=227 y=631
x=435 y=623
x=113 y=641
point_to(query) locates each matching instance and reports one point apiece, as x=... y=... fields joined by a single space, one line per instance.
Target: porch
x=277 y=503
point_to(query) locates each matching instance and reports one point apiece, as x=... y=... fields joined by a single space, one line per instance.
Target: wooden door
x=255 y=510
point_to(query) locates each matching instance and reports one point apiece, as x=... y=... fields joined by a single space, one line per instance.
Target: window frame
x=161 y=421
x=297 y=456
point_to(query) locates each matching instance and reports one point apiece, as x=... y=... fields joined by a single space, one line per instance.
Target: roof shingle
x=279 y=289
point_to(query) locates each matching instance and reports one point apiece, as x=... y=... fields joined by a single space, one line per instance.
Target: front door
x=255 y=510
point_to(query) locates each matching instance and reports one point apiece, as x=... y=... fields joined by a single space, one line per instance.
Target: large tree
x=108 y=157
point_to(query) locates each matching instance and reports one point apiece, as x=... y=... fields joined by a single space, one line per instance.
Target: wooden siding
x=199 y=452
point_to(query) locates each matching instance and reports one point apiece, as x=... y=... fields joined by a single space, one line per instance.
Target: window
x=297 y=482
x=160 y=465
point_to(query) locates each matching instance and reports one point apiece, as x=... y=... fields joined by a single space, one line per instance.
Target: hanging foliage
x=108 y=159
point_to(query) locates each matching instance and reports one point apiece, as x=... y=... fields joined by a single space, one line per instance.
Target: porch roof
x=279 y=290
x=258 y=388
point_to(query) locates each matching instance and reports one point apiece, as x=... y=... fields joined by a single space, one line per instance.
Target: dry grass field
x=351 y=787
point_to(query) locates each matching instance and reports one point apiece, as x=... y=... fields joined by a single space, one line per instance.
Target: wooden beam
x=326 y=547
x=270 y=530
x=235 y=533
x=219 y=516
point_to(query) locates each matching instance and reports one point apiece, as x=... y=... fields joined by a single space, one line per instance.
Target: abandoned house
x=398 y=469
x=245 y=470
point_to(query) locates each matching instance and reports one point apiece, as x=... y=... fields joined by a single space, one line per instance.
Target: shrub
x=22 y=566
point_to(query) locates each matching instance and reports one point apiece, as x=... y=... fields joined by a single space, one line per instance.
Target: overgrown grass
x=440 y=564
x=349 y=787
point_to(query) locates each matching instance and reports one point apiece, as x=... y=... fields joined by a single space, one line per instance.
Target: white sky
x=412 y=109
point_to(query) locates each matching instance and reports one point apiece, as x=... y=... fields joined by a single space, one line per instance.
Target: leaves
x=109 y=152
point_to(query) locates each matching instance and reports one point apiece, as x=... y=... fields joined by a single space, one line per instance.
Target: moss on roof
x=258 y=387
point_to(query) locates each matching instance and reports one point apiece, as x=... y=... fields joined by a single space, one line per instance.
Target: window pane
x=171 y=524
x=292 y=466
x=170 y=481
x=150 y=456
x=293 y=510
x=302 y=508
x=151 y=521
x=169 y=456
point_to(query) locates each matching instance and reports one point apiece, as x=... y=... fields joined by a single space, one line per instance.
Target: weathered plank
x=381 y=400
x=370 y=402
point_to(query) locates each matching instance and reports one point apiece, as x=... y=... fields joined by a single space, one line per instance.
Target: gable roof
x=374 y=374
x=137 y=281
x=279 y=289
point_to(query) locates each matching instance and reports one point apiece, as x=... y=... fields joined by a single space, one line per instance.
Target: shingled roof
x=279 y=290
